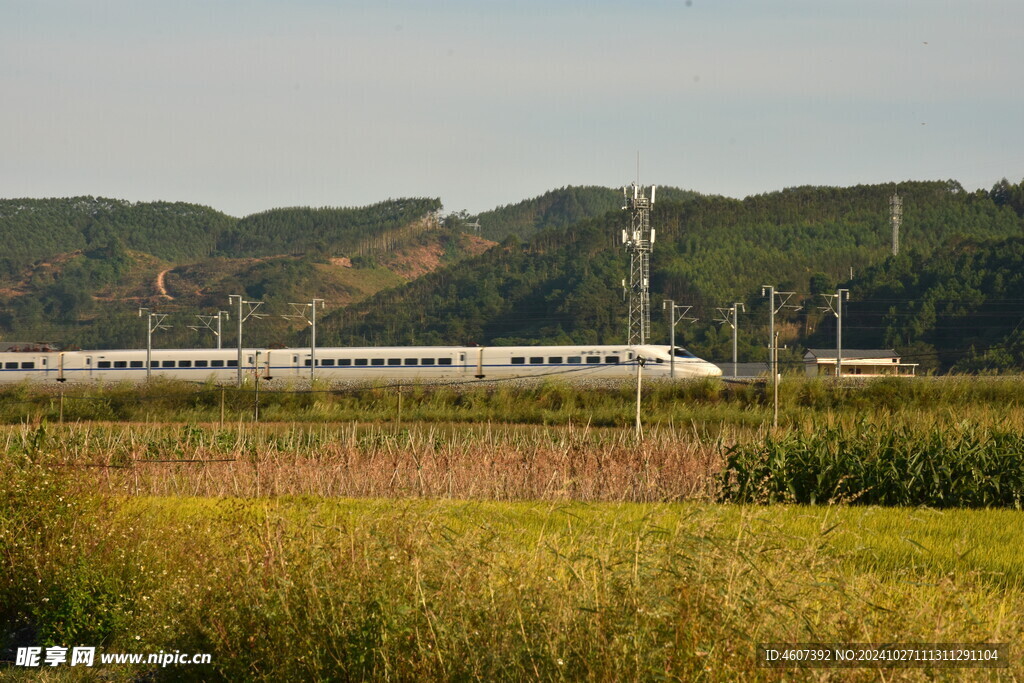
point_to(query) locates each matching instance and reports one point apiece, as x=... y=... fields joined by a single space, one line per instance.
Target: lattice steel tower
x=896 y=217
x=639 y=240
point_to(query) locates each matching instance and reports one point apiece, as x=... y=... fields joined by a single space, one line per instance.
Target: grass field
x=463 y=549
x=296 y=588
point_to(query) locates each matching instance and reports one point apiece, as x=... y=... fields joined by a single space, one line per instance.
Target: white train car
x=357 y=364
x=18 y=366
x=196 y=365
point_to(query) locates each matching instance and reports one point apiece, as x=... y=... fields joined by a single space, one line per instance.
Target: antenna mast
x=896 y=217
x=639 y=240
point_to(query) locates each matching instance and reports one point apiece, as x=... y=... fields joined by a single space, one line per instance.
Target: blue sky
x=246 y=106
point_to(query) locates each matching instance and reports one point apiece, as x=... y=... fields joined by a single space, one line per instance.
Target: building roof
x=853 y=354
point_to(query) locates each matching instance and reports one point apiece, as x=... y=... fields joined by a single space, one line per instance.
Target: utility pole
x=640 y=361
x=775 y=381
x=773 y=338
x=300 y=313
x=208 y=320
x=246 y=309
x=256 y=390
x=154 y=321
x=735 y=325
x=671 y=306
x=639 y=240
x=837 y=311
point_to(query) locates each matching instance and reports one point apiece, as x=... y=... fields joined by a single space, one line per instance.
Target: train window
x=328 y=362
x=659 y=360
x=10 y=366
x=307 y=363
x=344 y=361
x=444 y=361
x=232 y=363
x=137 y=364
x=216 y=363
x=536 y=360
x=28 y=366
x=202 y=363
x=593 y=359
x=394 y=361
x=412 y=361
x=377 y=361
x=575 y=359
x=428 y=361
x=120 y=363
x=361 y=361
x=103 y=364
x=184 y=363
x=611 y=359
x=154 y=363
x=518 y=360
x=555 y=360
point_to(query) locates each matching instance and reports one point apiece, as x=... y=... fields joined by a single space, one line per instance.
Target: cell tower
x=896 y=217
x=639 y=240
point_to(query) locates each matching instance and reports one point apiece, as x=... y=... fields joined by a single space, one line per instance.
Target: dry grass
x=495 y=463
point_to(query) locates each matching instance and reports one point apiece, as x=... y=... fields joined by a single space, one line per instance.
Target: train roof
x=656 y=348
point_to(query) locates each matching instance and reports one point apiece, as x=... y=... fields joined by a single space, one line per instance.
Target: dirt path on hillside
x=160 y=287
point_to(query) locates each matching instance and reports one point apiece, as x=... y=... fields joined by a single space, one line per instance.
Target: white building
x=857 y=363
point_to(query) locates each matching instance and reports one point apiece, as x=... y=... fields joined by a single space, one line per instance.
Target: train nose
x=712 y=370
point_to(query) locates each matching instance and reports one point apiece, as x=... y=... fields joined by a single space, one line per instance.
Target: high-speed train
x=359 y=364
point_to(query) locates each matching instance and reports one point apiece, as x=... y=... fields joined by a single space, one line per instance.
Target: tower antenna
x=639 y=240
x=896 y=218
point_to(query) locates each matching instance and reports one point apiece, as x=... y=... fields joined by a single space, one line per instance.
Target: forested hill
x=558 y=289
x=75 y=270
x=714 y=249
x=563 y=285
x=961 y=308
x=558 y=209
x=327 y=231
x=36 y=229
